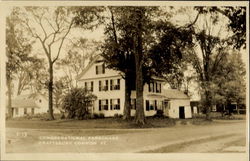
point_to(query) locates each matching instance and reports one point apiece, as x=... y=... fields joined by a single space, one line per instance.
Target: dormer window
x=154 y=87
x=100 y=69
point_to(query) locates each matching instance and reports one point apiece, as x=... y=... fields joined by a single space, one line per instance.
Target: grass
x=110 y=123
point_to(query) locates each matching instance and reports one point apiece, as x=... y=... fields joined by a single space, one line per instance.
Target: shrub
x=159 y=113
x=77 y=102
x=95 y=116
x=101 y=115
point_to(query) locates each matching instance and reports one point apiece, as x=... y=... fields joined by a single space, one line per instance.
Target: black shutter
x=103 y=68
x=111 y=84
x=111 y=104
x=100 y=105
x=100 y=86
x=85 y=85
x=153 y=87
x=96 y=70
x=160 y=87
x=118 y=102
x=149 y=89
x=118 y=84
x=92 y=86
x=147 y=105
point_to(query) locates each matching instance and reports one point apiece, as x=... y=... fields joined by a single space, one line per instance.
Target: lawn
x=104 y=123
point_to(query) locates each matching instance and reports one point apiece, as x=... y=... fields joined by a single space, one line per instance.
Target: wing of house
x=29 y=104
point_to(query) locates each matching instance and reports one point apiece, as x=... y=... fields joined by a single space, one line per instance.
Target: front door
x=182 y=112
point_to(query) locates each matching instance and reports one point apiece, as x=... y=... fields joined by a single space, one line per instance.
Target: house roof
x=28 y=103
x=169 y=94
x=88 y=66
x=27 y=100
x=175 y=94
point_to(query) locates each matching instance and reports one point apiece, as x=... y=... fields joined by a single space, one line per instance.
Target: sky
x=98 y=34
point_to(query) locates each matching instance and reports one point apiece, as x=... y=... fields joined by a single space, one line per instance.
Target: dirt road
x=181 y=138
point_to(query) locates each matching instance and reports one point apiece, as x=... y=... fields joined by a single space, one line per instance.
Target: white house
x=29 y=104
x=109 y=87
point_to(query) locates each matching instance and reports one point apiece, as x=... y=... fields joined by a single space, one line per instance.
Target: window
x=103 y=85
x=89 y=86
x=103 y=104
x=32 y=111
x=151 y=105
x=133 y=104
x=158 y=87
x=16 y=110
x=154 y=87
x=115 y=84
x=151 y=87
x=115 y=104
x=40 y=101
x=100 y=69
x=25 y=111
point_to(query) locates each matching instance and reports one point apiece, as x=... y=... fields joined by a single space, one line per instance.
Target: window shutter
x=153 y=87
x=96 y=69
x=156 y=87
x=92 y=86
x=100 y=86
x=160 y=88
x=111 y=84
x=111 y=104
x=107 y=104
x=118 y=103
x=118 y=84
x=149 y=87
x=147 y=105
x=85 y=85
x=100 y=105
x=103 y=68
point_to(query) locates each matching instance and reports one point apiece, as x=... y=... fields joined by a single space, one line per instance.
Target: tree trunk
x=208 y=105
x=10 y=112
x=127 y=103
x=50 y=88
x=139 y=116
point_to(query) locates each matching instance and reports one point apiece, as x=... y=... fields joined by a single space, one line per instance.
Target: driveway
x=125 y=140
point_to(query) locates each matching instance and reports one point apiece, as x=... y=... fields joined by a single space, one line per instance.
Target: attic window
x=40 y=100
x=100 y=69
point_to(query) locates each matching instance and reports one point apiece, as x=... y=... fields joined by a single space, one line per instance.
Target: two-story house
x=109 y=87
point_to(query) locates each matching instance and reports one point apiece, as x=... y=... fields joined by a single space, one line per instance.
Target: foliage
x=77 y=102
x=236 y=16
x=73 y=63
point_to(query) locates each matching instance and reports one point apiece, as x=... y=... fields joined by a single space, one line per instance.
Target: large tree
x=141 y=51
x=124 y=48
x=50 y=26
x=212 y=48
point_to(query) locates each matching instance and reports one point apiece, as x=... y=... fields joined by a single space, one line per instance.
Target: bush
x=159 y=113
x=117 y=115
x=95 y=116
x=76 y=103
x=101 y=115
